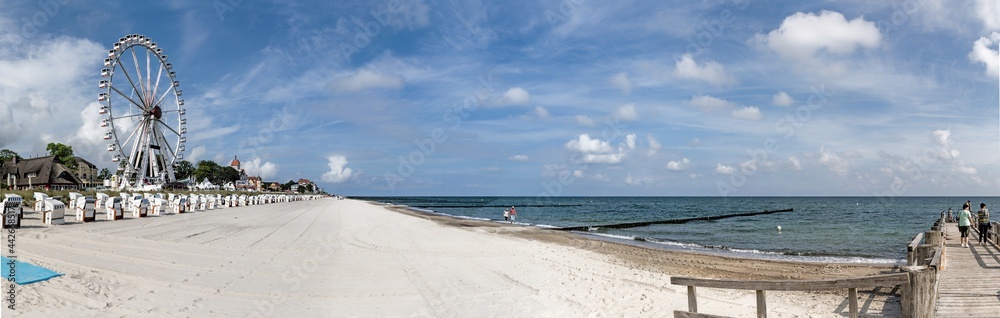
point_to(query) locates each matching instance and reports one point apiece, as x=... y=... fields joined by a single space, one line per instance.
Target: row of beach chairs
x=88 y=208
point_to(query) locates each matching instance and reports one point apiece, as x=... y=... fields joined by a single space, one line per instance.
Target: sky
x=547 y=98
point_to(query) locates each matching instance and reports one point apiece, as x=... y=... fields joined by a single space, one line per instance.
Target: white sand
x=346 y=258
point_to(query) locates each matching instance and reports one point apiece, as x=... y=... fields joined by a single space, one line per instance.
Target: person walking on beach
x=513 y=214
x=983 y=217
x=506 y=215
x=950 y=218
x=964 y=221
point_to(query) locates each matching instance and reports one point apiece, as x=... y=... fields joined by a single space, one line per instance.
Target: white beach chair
x=72 y=199
x=100 y=202
x=114 y=209
x=181 y=206
x=12 y=210
x=40 y=200
x=53 y=211
x=139 y=206
x=156 y=205
x=84 y=208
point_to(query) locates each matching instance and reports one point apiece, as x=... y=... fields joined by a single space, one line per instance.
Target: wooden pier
x=941 y=278
x=969 y=277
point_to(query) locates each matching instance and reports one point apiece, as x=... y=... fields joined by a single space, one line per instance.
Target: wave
x=740 y=252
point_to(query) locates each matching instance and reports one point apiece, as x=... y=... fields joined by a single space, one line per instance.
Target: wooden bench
x=851 y=284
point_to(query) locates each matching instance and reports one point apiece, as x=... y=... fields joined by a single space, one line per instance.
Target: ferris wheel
x=142 y=112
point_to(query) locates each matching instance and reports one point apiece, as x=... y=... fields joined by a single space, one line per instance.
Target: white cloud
x=679 y=165
x=749 y=166
x=367 y=79
x=196 y=154
x=627 y=112
x=802 y=36
x=630 y=180
x=515 y=96
x=609 y=158
x=541 y=112
x=46 y=95
x=965 y=170
x=834 y=162
x=630 y=141
x=983 y=52
x=621 y=81
x=710 y=72
x=654 y=145
x=782 y=99
x=709 y=104
x=584 y=144
x=518 y=157
x=941 y=137
x=747 y=113
x=599 y=151
x=796 y=163
x=339 y=172
x=989 y=13
x=724 y=169
x=266 y=170
x=585 y=120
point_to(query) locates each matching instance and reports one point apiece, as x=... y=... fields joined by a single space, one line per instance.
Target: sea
x=858 y=230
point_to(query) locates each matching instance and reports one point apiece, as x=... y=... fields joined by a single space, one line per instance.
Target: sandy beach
x=349 y=258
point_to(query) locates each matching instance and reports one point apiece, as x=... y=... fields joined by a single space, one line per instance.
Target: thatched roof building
x=41 y=172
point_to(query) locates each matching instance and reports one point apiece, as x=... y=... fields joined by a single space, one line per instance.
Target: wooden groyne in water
x=674 y=221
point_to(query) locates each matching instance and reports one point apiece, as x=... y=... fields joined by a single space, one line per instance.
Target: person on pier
x=983 y=218
x=964 y=220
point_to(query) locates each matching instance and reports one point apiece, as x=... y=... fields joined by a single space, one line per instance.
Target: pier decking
x=969 y=277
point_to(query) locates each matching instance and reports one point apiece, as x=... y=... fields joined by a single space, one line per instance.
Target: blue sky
x=573 y=97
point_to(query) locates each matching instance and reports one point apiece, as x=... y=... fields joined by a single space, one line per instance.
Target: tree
x=288 y=185
x=206 y=170
x=184 y=170
x=104 y=174
x=63 y=153
x=227 y=174
x=7 y=154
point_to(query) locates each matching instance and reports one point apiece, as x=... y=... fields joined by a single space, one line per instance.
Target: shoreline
x=645 y=256
x=679 y=246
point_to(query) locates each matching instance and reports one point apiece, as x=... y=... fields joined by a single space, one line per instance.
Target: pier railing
x=918 y=295
x=762 y=286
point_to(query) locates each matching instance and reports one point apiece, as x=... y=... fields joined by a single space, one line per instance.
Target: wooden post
x=924 y=253
x=692 y=300
x=852 y=299
x=918 y=297
x=933 y=237
x=761 y=304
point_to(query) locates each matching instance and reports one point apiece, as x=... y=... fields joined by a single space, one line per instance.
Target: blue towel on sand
x=25 y=273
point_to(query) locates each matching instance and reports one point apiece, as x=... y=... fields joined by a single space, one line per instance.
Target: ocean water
x=820 y=229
